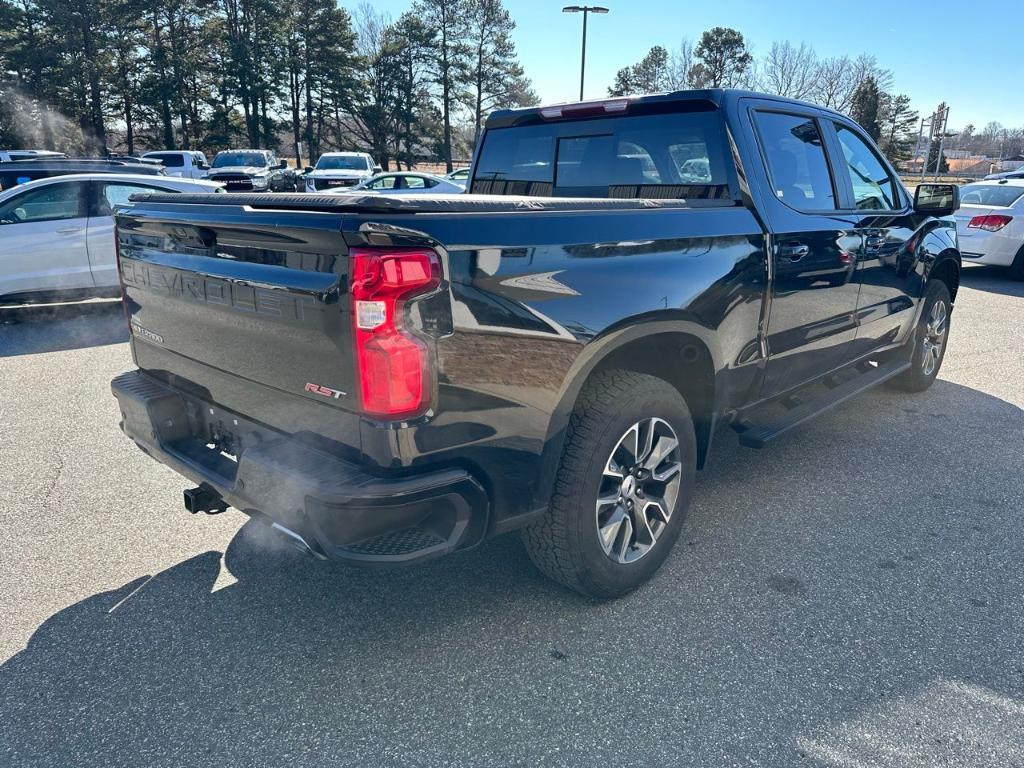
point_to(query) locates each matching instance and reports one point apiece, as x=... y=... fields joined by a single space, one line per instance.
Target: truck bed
x=354 y=203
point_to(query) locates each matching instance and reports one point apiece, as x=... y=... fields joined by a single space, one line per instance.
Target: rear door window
x=114 y=195
x=796 y=161
x=385 y=182
x=667 y=156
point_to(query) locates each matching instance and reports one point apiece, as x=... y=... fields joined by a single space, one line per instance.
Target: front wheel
x=929 y=340
x=622 y=489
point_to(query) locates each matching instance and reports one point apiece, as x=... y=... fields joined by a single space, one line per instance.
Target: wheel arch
x=684 y=354
x=947 y=268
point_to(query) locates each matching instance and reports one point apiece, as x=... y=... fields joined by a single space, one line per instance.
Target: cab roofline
x=720 y=98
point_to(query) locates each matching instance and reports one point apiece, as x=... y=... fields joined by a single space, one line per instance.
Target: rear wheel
x=929 y=340
x=623 y=486
x=1017 y=268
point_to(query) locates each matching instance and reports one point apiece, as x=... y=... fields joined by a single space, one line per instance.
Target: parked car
x=404 y=183
x=1017 y=174
x=57 y=234
x=460 y=176
x=990 y=224
x=7 y=155
x=335 y=170
x=185 y=163
x=21 y=171
x=252 y=170
x=388 y=379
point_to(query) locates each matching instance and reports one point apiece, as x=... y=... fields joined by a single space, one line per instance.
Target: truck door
x=888 y=270
x=812 y=319
x=42 y=239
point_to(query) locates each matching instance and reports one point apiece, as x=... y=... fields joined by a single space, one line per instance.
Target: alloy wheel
x=638 y=490
x=934 y=338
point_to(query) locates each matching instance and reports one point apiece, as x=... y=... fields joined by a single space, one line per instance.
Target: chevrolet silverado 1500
x=387 y=379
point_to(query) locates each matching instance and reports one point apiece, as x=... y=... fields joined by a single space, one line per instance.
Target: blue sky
x=982 y=76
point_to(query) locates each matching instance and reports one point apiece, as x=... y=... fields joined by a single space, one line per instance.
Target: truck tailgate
x=263 y=303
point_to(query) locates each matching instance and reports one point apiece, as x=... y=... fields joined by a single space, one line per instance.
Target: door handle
x=793 y=252
x=69 y=230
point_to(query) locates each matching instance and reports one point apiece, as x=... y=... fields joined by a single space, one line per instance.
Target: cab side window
x=797 y=166
x=414 y=182
x=874 y=189
x=53 y=202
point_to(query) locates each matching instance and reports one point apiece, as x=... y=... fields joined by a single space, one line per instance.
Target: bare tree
x=834 y=83
x=680 y=65
x=838 y=78
x=790 y=71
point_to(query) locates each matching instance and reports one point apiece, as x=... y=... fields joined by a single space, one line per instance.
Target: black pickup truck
x=387 y=379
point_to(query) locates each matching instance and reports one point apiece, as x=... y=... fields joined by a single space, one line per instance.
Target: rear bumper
x=331 y=505
x=989 y=248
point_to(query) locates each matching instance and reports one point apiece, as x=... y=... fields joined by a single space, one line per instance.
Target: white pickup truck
x=185 y=163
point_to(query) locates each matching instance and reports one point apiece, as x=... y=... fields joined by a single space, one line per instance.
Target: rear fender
x=591 y=358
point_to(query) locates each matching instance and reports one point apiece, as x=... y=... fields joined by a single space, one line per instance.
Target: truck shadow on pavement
x=850 y=596
x=31 y=329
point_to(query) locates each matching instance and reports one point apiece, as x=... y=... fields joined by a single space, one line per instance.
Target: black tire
x=922 y=372
x=1017 y=268
x=565 y=543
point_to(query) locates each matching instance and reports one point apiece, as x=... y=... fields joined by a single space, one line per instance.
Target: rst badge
x=316 y=389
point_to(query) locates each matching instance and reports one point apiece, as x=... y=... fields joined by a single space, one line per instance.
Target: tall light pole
x=584 y=9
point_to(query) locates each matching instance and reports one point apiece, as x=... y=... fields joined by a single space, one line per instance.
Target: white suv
x=336 y=170
x=185 y=164
x=990 y=224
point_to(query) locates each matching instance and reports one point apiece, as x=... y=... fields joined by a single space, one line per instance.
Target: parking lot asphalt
x=851 y=596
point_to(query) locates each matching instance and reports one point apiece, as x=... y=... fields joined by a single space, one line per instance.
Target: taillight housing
x=991 y=223
x=392 y=362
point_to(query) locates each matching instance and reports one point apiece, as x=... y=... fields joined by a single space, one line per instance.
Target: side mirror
x=283 y=165
x=378 y=169
x=936 y=199
x=309 y=168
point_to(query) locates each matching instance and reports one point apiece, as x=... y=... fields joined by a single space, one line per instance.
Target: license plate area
x=217 y=438
x=224 y=441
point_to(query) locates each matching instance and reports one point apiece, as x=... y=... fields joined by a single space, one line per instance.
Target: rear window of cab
x=662 y=156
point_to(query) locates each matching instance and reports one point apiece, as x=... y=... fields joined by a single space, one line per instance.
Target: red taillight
x=991 y=223
x=393 y=363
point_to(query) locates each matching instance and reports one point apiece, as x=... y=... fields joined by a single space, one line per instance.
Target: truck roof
x=718 y=97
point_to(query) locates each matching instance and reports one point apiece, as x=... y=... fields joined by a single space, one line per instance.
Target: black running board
x=754 y=435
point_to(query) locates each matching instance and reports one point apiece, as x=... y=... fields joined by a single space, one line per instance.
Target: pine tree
x=722 y=59
x=933 y=158
x=866 y=107
x=899 y=123
x=651 y=74
x=496 y=78
x=450 y=60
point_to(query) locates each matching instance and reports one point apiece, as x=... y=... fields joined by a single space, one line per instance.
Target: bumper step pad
x=410 y=541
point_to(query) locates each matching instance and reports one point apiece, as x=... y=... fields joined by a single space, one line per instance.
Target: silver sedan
x=403 y=183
